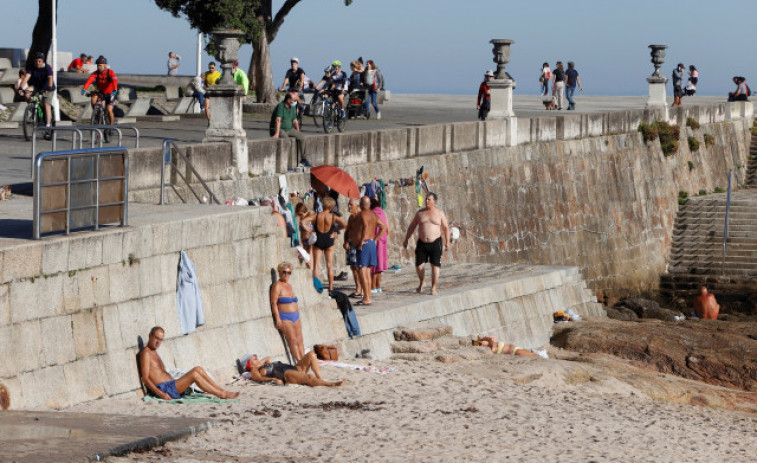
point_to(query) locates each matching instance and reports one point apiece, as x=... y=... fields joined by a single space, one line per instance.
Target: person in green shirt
x=240 y=77
x=284 y=122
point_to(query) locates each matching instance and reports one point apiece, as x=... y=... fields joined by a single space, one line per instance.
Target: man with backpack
x=107 y=86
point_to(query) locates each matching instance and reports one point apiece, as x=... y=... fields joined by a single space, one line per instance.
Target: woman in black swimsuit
x=265 y=370
x=326 y=225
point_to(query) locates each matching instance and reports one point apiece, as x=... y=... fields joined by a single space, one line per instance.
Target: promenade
x=403 y=110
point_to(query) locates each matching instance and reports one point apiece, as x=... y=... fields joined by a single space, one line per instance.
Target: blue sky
x=437 y=46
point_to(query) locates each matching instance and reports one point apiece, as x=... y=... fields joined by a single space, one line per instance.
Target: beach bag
x=326 y=352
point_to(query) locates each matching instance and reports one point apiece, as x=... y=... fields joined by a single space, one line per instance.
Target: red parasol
x=336 y=179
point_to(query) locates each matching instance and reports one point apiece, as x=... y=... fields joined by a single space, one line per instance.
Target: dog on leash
x=549 y=103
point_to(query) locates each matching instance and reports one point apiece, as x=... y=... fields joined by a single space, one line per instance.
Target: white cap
x=294 y=58
x=489 y=73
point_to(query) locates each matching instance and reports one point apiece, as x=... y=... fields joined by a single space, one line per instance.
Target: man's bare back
x=705 y=305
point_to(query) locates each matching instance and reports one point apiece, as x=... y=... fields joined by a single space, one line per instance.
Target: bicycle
x=332 y=115
x=98 y=115
x=34 y=115
x=317 y=107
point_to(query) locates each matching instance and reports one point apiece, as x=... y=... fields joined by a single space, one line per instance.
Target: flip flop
x=355 y=295
x=363 y=303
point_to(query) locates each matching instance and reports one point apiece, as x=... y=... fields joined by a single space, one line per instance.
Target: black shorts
x=429 y=252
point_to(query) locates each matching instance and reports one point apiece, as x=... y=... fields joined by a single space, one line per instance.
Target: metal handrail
x=167 y=145
x=118 y=129
x=54 y=131
x=725 y=225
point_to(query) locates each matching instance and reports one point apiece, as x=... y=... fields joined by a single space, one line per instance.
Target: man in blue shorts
x=370 y=230
x=162 y=385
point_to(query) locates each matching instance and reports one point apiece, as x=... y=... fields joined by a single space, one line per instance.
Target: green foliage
x=719 y=190
x=693 y=144
x=702 y=192
x=692 y=123
x=709 y=140
x=667 y=134
x=206 y=16
x=691 y=166
x=682 y=197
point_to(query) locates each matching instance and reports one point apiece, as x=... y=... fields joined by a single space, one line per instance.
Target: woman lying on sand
x=509 y=349
x=265 y=370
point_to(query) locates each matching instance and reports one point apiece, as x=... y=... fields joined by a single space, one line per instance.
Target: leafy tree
x=42 y=35
x=254 y=17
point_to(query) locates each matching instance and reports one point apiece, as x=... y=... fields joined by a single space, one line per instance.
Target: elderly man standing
x=433 y=238
x=159 y=382
x=371 y=230
x=705 y=305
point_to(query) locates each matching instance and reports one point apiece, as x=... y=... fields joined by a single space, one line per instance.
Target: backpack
x=548 y=75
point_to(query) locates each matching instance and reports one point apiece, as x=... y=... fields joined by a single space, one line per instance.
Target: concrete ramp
x=513 y=302
x=139 y=107
x=73 y=437
x=6 y=94
x=18 y=113
x=187 y=105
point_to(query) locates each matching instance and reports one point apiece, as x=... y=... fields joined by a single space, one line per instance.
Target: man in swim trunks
x=366 y=222
x=160 y=383
x=352 y=234
x=265 y=370
x=433 y=237
x=705 y=305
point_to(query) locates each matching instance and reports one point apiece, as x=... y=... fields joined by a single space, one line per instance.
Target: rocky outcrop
x=717 y=352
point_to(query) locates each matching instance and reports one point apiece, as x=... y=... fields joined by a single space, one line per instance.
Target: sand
x=498 y=408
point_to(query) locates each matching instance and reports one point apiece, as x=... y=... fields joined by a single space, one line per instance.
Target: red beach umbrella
x=336 y=179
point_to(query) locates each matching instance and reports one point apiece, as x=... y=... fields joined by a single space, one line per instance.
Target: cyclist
x=40 y=78
x=295 y=77
x=339 y=85
x=107 y=86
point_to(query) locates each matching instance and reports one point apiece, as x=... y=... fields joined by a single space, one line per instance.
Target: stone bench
x=187 y=105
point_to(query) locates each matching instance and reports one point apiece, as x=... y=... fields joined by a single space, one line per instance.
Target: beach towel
x=188 y=299
x=190 y=399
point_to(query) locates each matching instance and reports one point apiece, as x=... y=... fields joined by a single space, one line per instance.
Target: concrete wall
x=71 y=308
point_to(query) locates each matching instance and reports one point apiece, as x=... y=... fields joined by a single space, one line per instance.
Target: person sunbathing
x=265 y=370
x=508 y=349
x=159 y=382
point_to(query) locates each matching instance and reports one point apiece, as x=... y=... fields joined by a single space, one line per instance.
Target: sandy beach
x=495 y=408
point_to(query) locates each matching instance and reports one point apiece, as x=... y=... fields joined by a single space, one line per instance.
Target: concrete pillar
x=501 y=91
x=657 y=95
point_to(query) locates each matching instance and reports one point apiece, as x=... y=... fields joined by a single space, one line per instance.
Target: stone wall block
x=393 y=144
x=214 y=264
x=262 y=155
x=543 y=129
x=9 y=365
x=150 y=278
x=26 y=343
x=55 y=256
x=464 y=136
x=46 y=387
x=85 y=380
x=431 y=139
x=169 y=272
x=568 y=127
x=112 y=328
x=93 y=287
x=166 y=312
x=84 y=251
x=135 y=320
x=120 y=368
x=112 y=243
x=524 y=130
x=495 y=133
x=89 y=333
x=36 y=298
x=124 y=281
x=184 y=350
x=22 y=261
x=242 y=259
x=57 y=340
x=5 y=310
x=212 y=345
x=167 y=237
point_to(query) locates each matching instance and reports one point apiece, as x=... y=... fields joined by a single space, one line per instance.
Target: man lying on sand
x=160 y=383
x=508 y=349
x=265 y=370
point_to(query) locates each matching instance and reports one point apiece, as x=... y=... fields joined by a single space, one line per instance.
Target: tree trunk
x=251 y=73
x=261 y=62
x=42 y=35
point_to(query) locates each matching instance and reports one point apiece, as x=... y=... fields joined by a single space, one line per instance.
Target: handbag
x=326 y=352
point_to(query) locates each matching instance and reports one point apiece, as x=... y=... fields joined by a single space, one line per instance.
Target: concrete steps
x=751 y=176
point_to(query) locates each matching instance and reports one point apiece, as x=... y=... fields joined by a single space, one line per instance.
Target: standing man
x=571 y=80
x=558 y=86
x=352 y=235
x=159 y=382
x=483 y=102
x=678 y=84
x=366 y=222
x=173 y=63
x=210 y=76
x=40 y=76
x=107 y=86
x=240 y=77
x=284 y=123
x=433 y=238
x=705 y=305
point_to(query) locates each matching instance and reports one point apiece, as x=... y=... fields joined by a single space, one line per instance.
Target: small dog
x=5 y=192
x=549 y=104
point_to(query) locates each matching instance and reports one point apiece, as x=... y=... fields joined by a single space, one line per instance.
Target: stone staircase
x=696 y=256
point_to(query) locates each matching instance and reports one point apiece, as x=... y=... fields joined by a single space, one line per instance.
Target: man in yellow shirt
x=210 y=77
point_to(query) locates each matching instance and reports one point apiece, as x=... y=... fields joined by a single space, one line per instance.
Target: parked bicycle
x=34 y=116
x=332 y=115
x=99 y=115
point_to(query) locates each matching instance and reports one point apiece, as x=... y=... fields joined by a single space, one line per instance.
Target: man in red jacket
x=107 y=86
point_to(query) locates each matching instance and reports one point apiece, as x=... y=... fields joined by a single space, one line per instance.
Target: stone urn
x=227 y=45
x=501 y=52
x=658 y=57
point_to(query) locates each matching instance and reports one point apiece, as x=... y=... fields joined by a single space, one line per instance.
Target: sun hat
x=489 y=73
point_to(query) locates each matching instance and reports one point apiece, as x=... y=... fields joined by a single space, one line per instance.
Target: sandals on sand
x=363 y=303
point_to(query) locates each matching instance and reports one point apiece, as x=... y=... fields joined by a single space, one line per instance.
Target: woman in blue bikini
x=286 y=315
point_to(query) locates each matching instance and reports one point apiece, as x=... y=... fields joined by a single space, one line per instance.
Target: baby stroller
x=356 y=105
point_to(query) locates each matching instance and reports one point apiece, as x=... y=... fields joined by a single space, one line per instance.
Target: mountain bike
x=317 y=106
x=332 y=115
x=99 y=115
x=34 y=116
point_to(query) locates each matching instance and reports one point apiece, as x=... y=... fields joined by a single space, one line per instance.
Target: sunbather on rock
x=160 y=383
x=265 y=370
x=508 y=349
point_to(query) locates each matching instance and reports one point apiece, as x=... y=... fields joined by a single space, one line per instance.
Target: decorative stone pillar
x=657 y=82
x=502 y=90
x=227 y=99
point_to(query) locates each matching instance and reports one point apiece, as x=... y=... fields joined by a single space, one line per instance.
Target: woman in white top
x=544 y=78
x=691 y=87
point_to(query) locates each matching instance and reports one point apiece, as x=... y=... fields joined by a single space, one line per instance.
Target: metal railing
x=725 y=225
x=116 y=128
x=68 y=193
x=169 y=145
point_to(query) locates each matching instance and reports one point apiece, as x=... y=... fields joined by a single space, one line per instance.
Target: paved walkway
x=403 y=110
x=44 y=437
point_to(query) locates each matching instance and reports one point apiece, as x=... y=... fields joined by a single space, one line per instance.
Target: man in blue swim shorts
x=159 y=382
x=370 y=230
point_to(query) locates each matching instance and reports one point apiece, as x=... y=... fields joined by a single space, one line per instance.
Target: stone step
x=415 y=347
x=714 y=271
x=421 y=332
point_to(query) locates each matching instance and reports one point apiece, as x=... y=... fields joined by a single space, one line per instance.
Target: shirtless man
x=433 y=235
x=366 y=223
x=705 y=304
x=160 y=383
x=352 y=235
